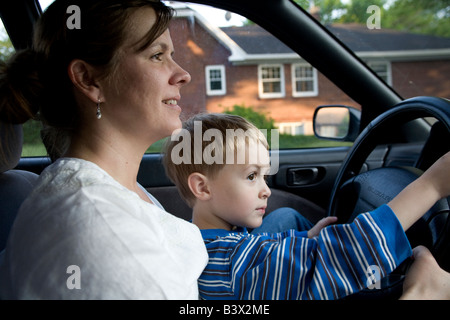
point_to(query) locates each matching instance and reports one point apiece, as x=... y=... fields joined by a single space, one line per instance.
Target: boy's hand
x=314 y=231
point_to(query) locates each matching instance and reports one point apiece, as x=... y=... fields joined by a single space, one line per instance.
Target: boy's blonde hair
x=179 y=171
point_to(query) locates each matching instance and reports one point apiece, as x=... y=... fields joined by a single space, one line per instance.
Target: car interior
x=392 y=139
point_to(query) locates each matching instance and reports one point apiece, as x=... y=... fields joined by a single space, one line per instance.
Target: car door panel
x=308 y=173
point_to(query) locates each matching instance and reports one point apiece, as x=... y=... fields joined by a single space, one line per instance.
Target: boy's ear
x=81 y=74
x=198 y=183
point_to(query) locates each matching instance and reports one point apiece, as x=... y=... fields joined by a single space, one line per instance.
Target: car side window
x=33 y=145
x=260 y=77
x=238 y=67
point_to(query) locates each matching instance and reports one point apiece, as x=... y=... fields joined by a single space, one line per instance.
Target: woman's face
x=142 y=99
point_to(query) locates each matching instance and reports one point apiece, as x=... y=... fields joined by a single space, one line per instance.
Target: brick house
x=247 y=66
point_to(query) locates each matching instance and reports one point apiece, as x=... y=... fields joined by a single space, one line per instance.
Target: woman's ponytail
x=20 y=87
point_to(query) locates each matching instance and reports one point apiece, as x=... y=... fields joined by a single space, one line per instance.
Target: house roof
x=255 y=40
x=385 y=43
x=253 y=45
x=385 y=39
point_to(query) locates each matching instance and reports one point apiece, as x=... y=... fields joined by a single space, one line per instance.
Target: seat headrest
x=11 y=139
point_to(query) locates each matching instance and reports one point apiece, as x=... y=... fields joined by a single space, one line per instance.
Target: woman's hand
x=425 y=280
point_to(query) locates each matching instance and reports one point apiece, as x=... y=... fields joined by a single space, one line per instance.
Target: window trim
x=314 y=92
x=271 y=95
x=209 y=90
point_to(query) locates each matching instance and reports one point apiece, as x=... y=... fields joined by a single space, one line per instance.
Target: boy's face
x=239 y=191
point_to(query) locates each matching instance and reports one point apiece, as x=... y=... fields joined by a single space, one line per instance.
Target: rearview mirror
x=336 y=122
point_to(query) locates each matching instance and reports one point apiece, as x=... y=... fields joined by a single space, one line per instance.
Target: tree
x=417 y=16
x=356 y=11
x=329 y=9
x=259 y=119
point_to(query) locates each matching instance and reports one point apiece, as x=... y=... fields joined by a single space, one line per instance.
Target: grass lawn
x=36 y=148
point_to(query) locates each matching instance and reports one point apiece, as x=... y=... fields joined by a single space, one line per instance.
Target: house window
x=292 y=128
x=215 y=80
x=304 y=80
x=271 y=81
x=382 y=69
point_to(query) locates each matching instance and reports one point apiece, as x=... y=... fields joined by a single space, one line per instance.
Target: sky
x=217 y=16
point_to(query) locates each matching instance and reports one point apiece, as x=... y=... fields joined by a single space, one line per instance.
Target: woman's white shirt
x=82 y=235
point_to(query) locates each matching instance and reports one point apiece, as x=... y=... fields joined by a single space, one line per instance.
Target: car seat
x=15 y=185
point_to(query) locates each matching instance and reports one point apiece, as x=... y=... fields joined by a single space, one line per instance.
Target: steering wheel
x=355 y=192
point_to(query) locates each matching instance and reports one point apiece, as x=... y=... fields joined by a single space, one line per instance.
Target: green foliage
x=6 y=47
x=32 y=143
x=356 y=11
x=31 y=130
x=259 y=119
x=419 y=16
x=430 y=17
x=286 y=141
x=33 y=150
x=157 y=147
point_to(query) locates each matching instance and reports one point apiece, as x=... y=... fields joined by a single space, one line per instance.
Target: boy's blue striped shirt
x=288 y=265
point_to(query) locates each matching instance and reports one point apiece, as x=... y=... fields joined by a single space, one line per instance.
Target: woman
x=105 y=92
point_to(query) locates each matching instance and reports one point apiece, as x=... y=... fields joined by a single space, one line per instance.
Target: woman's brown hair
x=35 y=83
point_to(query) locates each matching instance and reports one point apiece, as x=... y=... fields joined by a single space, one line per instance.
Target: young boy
x=222 y=179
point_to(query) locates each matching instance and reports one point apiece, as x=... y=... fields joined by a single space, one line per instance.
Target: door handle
x=302 y=176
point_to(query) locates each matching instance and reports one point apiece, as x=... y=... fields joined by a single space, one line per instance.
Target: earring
x=99 y=113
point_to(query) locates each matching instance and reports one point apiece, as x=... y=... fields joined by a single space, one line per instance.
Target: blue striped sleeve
x=290 y=266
